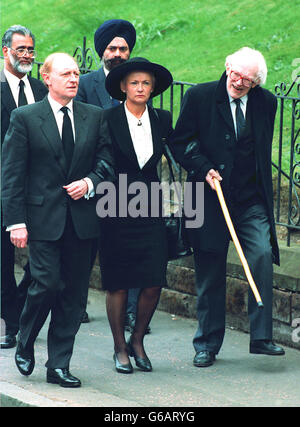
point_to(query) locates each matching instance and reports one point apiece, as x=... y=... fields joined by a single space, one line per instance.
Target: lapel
x=257 y=108
x=99 y=86
x=223 y=101
x=7 y=98
x=81 y=130
x=121 y=132
x=50 y=131
x=156 y=127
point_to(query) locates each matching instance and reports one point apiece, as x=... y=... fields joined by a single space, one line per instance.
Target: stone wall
x=180 y=297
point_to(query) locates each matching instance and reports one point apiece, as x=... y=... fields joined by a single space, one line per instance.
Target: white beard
x=25 y=68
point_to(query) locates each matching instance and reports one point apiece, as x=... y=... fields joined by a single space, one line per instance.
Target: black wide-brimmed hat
x=163 y=77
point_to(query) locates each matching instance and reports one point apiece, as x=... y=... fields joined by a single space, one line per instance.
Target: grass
x=191 y=38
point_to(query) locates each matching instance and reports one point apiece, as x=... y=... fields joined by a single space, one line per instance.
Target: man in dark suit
x=114 y=41
x=18 y=45
x=54 y=155
x=225 y=131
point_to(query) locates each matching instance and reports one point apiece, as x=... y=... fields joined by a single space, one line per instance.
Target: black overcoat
x=206 y=120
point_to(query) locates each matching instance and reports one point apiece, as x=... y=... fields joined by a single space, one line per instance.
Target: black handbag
x=178 y=244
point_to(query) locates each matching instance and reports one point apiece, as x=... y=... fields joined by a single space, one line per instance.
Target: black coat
x=206 y=119
x=91 y=89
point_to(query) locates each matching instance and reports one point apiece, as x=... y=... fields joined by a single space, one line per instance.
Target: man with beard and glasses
x=114 y=41
x=17 y=89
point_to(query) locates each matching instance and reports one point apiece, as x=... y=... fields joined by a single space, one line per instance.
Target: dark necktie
x=67 y=136
x=22 y=97
x=240 y=119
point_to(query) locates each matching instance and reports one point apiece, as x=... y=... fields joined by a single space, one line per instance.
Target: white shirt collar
x=243 y=99
x=14 y=80
x=133 y=119
x=106 y=71
x=56 y=106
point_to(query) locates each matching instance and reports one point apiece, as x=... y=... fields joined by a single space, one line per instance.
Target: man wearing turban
x=114 y=41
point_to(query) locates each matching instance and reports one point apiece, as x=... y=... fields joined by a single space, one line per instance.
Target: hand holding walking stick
x=237 y=243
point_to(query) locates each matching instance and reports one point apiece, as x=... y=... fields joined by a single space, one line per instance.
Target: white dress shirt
x=14 y=81
x=59 y=117
x=141 y=135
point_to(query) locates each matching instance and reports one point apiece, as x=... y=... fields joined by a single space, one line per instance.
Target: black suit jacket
x=8 y=103
x=125 y=159
x=92 y=90
x=34 y=170
x=124 y=154
x=204 y=138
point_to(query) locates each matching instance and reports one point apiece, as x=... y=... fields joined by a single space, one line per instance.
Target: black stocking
x=147 y=304
x=116 y=303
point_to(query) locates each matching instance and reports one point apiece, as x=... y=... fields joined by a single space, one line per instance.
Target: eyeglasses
x=22 y=51
x=245 y=82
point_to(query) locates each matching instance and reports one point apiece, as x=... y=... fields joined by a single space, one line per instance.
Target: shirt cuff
x=91 y=191
x=15 y=226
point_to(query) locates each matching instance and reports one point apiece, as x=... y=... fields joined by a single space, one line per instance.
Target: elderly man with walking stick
x=224 y=132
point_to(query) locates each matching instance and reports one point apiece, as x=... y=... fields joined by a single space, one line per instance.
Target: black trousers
x=60 y=273
x=253 y=230
x=9 y=291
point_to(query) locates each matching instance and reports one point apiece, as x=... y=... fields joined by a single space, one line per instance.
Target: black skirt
x=133 y=253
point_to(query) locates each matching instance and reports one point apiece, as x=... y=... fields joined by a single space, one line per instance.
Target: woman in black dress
x=133 y=241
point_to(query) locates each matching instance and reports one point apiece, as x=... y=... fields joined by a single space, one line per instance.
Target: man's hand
x=211 y=174
x=76 y=189
x=19 y=237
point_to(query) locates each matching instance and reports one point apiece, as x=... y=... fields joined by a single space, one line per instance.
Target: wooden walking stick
x=237 y=243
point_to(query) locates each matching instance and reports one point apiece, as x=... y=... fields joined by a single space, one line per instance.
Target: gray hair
x=16 y=29
x=247 y=56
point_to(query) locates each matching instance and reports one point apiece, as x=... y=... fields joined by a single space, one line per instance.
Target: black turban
x=111 y=29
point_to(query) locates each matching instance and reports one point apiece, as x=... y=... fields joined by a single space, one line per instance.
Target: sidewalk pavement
x=237 y=378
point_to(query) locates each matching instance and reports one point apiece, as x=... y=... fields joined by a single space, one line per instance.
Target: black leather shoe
x=62 y=377
x=85 y=318
x=130 y=323
x=266 y=347
x=24 y=360
x=143 y=363
x=8 y=341
x=204 y=358
x=122 y=369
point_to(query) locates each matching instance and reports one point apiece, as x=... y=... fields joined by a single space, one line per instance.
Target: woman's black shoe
x=143 y=363
x=122 y=369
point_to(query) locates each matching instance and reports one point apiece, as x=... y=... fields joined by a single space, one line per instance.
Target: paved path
x=236 y=379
